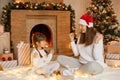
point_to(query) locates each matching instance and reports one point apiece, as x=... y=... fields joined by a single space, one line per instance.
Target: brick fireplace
x=57 y=23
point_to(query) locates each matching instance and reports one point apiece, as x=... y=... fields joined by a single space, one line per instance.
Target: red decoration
x=113 y=17
x=95 y=20
x=9 y=58
x=49 y=7
x=3 y=59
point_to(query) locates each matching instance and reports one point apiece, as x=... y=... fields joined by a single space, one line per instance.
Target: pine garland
x=6 y=13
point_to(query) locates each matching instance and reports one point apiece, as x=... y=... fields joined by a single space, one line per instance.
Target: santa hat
x=86 y=20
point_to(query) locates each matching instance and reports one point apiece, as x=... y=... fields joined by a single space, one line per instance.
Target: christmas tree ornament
x=3 y=58
x=9 y=58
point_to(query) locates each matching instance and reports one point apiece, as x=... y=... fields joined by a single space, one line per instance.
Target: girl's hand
x=35 y=55
x=71 y=35
x=52 y=51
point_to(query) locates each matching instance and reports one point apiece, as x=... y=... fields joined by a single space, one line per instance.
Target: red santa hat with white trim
x=86 y=20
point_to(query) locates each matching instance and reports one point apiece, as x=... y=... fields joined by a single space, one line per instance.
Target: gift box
x=113 y=49
x=8 y=64
x=113 y=56
x=113 y=63
x=23 y=53
x=6 y=56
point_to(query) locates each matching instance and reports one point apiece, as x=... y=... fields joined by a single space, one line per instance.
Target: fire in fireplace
x=41 y=28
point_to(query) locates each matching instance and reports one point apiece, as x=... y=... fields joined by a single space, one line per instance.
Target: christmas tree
x=105 y=19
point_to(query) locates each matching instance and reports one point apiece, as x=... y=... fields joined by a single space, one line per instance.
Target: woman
x=89 y=47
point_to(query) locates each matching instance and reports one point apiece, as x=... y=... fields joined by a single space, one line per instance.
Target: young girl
x=89 y=48
x=40 y=58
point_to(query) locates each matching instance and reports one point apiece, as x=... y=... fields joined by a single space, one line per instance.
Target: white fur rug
x=22 y=73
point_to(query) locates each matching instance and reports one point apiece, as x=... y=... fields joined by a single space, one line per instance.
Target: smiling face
x=82 y=28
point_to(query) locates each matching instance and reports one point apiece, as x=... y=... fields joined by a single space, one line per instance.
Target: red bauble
x=9 y=58
x=3 y=59
x=49 y=7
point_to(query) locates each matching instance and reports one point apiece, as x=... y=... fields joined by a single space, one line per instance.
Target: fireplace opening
x=41 y=28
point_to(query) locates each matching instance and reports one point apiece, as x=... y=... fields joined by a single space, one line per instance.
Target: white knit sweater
x=93 y=52
x=40 y=61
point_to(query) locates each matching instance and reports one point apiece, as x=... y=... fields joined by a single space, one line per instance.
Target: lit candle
x=56 y=77
x=57 y=73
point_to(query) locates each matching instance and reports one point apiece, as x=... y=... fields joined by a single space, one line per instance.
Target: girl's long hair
x=87 y=38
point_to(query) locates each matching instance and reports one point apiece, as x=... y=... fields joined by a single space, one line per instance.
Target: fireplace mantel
x=22 y=22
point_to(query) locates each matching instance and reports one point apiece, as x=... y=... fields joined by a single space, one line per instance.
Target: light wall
x=116 y=7
x=79 y=6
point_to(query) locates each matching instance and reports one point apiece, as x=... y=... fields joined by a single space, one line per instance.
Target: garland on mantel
x=5 y=20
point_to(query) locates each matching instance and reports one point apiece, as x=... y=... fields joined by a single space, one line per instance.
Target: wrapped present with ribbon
x=8 y=64
x=23 y=53
x=8 y=56
x=113 y=63
x=113 y=56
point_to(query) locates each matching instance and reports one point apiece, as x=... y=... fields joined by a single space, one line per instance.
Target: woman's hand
x=71 y=35
x=98 y=37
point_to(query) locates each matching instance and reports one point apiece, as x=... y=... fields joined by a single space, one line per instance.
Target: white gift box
x=4 y=42
x=113 y=56
x=9 y=64
x=113 y=63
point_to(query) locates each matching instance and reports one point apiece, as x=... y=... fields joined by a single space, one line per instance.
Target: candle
x=56 y=77
x=56 y=74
